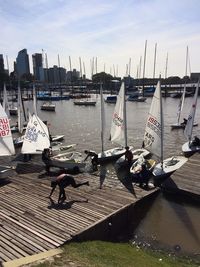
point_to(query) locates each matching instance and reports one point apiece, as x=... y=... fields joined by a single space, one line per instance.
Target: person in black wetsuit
x=64 y=180
x=94 y=157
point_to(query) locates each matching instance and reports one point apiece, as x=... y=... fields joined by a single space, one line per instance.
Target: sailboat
x=191 y=146
x=6 y=140
x=36 y=137
x=153 y=139
x=5 y=101
x=21 y=119
x=118 y=133
x=179 y=124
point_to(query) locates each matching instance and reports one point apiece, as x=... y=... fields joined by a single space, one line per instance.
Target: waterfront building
x=38 y=71
x=56 y=75
x=22 y=63
x=73 y=75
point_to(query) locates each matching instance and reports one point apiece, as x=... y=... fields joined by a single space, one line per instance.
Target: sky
x=113 y=32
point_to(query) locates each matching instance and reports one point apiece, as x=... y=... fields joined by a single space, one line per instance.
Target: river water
x=171 y=224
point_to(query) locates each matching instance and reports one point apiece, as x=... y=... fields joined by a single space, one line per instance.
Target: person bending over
x=64 y=180
x=94 y=157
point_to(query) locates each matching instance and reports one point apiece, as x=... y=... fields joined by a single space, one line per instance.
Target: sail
x=21 y=118
x=103 y=121
x=190 y=120
x=5 y=101
x=153 y=136
x=6 y=140
x=118 y=134
x=36 y=137
x=181 y=103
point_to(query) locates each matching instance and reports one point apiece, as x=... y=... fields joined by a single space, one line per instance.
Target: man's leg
x=62 y=195
x=74 y=184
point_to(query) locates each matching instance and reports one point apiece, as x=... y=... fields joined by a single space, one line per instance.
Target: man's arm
x=52 y=190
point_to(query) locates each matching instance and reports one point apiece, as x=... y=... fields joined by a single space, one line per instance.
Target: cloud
x=113 y=31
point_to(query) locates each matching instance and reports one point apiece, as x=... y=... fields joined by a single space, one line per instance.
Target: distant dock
x=31 y=223
x=186 y=180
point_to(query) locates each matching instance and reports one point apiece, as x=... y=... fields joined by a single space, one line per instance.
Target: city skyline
x=112 y=32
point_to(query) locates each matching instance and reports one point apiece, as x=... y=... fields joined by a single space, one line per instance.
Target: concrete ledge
x=33 y=258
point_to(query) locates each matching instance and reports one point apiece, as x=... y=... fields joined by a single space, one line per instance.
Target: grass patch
x=107 y=254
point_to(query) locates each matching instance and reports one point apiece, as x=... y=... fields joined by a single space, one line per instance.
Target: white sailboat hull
x=170 y=165
x=181 y=126
x=68 y=160
x=111 y=154
x=140 y=152
x=189 y=148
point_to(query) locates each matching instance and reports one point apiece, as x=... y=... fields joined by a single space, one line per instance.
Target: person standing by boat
x=46 y=154
x=94 y=157
x=128 y=156
x=64 y=180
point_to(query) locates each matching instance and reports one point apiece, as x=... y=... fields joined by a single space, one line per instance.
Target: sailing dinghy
x=178 y=124
x=153 y=139
x=36 y=137
x=6 y=141
x=118 y=134
x=192 y=145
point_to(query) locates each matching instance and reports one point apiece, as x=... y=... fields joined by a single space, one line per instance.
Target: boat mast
x=71 y=76
x=162 y=123
x=125 y=122
x=145 y=49
x=182 y=100
x=59 y=74
x=154 y=65
x=166 y=65
x=102 y=118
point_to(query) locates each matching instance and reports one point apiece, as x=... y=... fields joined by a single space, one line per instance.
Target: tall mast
x=71 y=76
x=59 y=71
x=81 y=75
x=161 y=122
x=145 y=50
x=125 y=122
x=154 y=65
x=166 y=66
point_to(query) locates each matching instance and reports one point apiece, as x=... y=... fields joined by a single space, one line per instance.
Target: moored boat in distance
x=111 y=99
x=86 y=102
x=48 y=106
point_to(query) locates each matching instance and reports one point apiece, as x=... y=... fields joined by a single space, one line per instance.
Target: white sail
x=6 y=140
x=5 y=101
x=118 y=131
x=21 y=118
x=103 y=121
x=36 y=137
x=181 y=104
x=190 y=120
x=153 y=136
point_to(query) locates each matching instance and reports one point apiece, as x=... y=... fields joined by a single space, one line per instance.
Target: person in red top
x=128 y=156
x=63 y=180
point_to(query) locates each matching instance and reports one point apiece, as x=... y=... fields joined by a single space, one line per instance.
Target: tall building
x=1 y=64
x=22 y=63
x=56 y=75
x=38 y=67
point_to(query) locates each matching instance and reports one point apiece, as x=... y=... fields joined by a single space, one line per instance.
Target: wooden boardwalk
x=31 y=223
x=186 y=179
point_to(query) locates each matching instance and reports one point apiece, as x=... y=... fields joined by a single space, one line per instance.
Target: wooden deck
x=186 y=179
x=31 y=223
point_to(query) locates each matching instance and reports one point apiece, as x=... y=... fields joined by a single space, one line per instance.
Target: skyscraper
x=1 y=64
x=38 y=66
x=22 y=63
